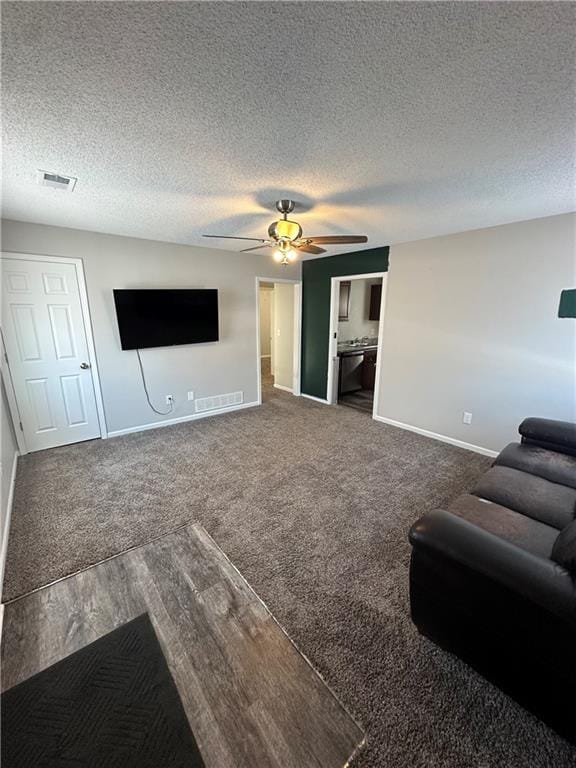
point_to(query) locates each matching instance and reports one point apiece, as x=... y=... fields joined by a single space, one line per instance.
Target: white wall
x=121 y=262
x=471 y=325
x=284 y=335
x=266 y=293
x=8 y=452
x=358 y=324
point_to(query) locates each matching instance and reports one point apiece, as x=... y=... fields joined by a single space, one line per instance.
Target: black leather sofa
x=493 y=576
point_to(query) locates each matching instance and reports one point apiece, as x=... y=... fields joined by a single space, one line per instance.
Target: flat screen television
x=166 y=317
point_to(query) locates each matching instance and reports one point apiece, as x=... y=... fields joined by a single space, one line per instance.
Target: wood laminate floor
x=251 y=698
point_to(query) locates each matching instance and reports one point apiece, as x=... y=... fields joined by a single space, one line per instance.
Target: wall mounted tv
x=164 y=318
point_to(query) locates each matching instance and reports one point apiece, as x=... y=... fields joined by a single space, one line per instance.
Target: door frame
x=296 y=390
x=332 y=380
x=85 y=307
x=11 y=397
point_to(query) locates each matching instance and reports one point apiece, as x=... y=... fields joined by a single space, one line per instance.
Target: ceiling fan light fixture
x=284 y=255
x=284 y=229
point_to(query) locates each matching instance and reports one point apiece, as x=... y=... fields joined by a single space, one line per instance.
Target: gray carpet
x=313 y=505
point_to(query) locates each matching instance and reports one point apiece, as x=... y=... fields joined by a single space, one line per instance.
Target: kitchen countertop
x=345 y=350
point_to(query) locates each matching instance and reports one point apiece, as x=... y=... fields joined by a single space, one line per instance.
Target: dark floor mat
x=113 y=703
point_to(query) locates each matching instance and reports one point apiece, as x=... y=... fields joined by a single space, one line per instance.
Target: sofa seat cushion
x=564 y=549
x=531 y=535
x=550 y=503
x=556 y=467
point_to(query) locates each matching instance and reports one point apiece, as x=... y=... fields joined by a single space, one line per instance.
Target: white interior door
x=47 y=350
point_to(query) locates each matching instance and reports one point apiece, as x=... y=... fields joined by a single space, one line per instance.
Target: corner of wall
x=6 y=518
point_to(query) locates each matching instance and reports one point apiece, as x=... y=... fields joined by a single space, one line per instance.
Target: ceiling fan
x=286 y=237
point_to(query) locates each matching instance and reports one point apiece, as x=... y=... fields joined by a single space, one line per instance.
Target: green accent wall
x=567 y=303
x=316 y=286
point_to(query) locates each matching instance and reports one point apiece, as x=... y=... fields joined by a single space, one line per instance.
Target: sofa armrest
x=548 y=433
x=538 y=579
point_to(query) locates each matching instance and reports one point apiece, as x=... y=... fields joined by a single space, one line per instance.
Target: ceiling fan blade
x=310 y=248
x=337 y=239
x=255 y=248
x=232 y=237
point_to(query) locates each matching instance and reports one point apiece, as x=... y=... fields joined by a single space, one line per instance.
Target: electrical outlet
x=467 y=417
x=169 y=399
x=190 y=395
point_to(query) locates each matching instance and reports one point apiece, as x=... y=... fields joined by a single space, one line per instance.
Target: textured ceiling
x=396 y=120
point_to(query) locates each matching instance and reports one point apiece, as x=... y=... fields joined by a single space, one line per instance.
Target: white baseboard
x=436 y=436
x=316 y=399
x=181 y=419
x=7 y=524
x=284 y=389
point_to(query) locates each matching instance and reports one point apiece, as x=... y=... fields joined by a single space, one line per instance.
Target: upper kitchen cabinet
x=375 y=301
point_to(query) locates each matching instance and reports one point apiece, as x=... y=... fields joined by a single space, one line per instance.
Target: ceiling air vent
x=56 y=181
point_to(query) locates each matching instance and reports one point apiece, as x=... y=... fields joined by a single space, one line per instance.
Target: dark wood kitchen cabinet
x=369 y=370
x=375 y=301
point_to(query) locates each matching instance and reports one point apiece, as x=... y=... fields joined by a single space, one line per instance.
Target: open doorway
x=266 y=323
x=279 y=312
x=356 y=323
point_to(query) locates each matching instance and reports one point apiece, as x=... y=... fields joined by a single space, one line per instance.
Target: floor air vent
x=218 y=401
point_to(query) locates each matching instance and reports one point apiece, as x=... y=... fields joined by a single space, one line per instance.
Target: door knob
x=84 y=366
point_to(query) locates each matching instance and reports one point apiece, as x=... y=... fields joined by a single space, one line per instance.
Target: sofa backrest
x=553 y=466
x=548 y=433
